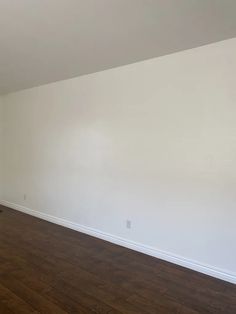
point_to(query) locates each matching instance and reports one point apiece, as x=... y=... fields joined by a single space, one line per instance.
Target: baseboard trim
x=169 y=257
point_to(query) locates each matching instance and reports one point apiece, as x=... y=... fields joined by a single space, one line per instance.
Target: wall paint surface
x=153 y=142
x=1 y=147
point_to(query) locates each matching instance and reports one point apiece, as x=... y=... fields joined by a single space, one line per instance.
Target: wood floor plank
x=4 y=309
x=30 y=296
x=46 y=268
x=14 y=302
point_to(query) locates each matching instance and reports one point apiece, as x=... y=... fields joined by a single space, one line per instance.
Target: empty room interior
x=118 y=156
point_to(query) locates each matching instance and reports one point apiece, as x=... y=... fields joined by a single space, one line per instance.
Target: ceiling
x=42 y=41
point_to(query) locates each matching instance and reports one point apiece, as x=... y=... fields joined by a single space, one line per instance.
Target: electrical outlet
x=25 y=197
x=128 y=224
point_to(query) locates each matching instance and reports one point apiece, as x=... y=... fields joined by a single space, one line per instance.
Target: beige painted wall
x=153 y=142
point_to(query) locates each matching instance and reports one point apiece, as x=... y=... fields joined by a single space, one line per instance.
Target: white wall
x=153 y=142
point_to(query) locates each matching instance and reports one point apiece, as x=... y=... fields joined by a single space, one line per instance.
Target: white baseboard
x=169 y=257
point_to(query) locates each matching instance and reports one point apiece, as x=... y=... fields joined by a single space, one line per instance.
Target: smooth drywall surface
x=1 y=147
x=153 y=142
x=47 y=41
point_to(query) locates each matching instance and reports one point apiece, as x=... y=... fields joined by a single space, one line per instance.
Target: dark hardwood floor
x=45 y=268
